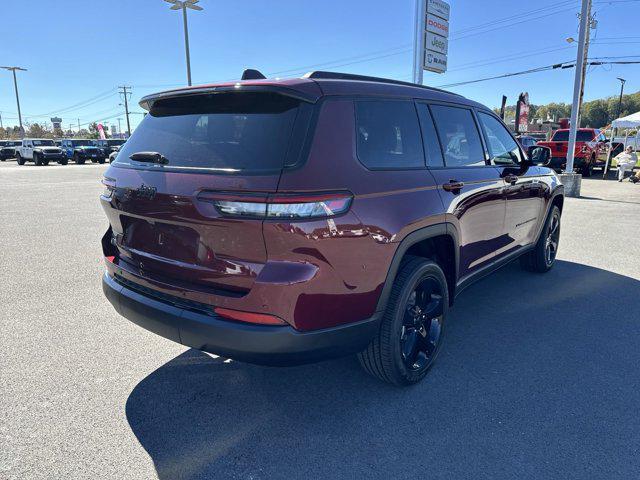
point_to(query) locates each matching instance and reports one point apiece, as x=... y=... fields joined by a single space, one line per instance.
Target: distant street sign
x=436 y=43
x=435 y=62
x=439 y=8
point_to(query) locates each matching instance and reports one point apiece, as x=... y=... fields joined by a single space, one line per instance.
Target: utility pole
x=119 y=127
x=126 y=107
x=619 y=111
x=15 y=85
x=585 y=20
x=78 y=125
x=1 y=120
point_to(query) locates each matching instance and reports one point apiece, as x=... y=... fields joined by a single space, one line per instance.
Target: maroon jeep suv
x=282 y=222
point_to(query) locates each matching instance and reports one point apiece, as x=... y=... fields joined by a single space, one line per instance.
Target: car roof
x=315 y=85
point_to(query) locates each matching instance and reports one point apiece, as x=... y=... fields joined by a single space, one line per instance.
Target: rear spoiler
x=148 y=101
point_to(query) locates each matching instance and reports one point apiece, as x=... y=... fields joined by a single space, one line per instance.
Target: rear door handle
x=453 y=186
x=512 y=179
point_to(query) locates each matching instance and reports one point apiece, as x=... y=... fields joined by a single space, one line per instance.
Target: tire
x=412 y=327
x=19 y=159
x=77 y=159
x=36 y=159
x=101 y=161
x=543 y=255
x=63 y=161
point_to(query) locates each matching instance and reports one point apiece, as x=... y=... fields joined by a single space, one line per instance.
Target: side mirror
x=539 y=155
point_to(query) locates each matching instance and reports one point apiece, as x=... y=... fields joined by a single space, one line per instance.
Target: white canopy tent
x=630 y=121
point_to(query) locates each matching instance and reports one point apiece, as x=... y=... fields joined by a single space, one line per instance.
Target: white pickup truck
x=39 y=151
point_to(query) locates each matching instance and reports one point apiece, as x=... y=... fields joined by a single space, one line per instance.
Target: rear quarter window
x=388 y=134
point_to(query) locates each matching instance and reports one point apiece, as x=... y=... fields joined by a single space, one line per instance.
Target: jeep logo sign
x=436 y=43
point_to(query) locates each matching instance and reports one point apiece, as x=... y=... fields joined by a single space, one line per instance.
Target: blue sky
x=78 y=51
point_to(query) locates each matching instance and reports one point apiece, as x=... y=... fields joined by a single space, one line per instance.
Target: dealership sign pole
x=418 y=40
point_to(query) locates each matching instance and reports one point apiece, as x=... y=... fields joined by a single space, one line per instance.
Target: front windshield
x=582 y=136
x=82 y=143
x=43 y=143
x=115 y=142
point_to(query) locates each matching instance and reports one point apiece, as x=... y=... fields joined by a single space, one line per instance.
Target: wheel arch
x=438 y=242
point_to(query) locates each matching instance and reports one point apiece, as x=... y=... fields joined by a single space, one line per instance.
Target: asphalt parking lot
x=539 y=377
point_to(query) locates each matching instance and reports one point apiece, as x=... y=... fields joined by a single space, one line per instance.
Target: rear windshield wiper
x=151 y=157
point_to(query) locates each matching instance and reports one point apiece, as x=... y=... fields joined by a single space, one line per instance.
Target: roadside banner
x=101 y=132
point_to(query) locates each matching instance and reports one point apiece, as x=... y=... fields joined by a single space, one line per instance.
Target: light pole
x=183 y=5
x=15 y=84
x=622 y=80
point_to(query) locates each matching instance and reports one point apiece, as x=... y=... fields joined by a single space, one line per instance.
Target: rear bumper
x=260 y=344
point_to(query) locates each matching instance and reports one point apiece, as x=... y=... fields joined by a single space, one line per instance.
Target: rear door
x=165 y=225
x=470 y=189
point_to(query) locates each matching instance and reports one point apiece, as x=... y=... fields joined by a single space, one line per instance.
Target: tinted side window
x=430 y=137
x=502 y=147
x=388 y=135
x=459 y=136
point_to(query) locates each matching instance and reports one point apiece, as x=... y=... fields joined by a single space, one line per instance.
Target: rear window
x=563 y=136
x=233 y=132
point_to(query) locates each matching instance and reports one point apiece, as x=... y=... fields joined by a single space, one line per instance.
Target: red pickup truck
x=591 y=150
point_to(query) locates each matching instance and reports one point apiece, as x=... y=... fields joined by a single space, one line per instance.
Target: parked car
x=282 y=222
x=81 y=150
x=590 y=151
x=114 y=153
x=109 y=145
x=8 y=149
x=527 y=141
x=40 y=151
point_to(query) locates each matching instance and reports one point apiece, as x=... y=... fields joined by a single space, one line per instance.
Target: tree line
x=595 y=114
x=38 y=130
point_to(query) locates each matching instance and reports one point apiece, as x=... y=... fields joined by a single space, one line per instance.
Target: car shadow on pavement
x=539 y=378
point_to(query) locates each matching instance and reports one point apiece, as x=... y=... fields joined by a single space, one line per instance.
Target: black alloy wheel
x=543 y=256
x=412 y=328
x=552 y=238
x=422 y=325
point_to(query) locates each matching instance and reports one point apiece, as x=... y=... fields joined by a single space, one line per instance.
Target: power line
x=506 y=58
x=85 y=103
x=511 y=17
x=563 y=65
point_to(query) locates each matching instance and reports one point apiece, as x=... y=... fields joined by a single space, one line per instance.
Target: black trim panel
x=260 y=344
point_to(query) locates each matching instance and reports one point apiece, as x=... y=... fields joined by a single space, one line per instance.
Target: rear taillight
x=279 y=206
x=109 y=187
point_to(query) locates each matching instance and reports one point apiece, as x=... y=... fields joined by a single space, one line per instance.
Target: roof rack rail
x=320 y=74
